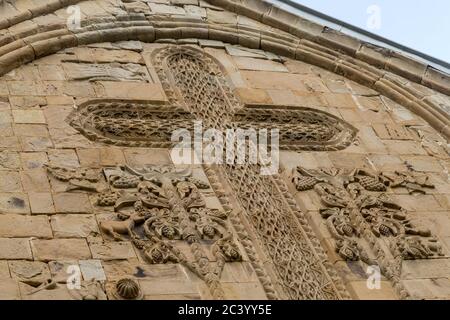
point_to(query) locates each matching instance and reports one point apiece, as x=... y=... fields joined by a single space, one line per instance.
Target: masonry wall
x=44 y=228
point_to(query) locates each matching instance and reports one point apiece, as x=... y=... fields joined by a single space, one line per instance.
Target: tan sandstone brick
x=60 y=249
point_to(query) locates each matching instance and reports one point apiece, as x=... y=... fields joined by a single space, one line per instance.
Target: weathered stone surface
x=21 y=226
x=41 y=203
x=15 y=249
x=92 y=270
x=10 y=181
x=28 y=116
x=360 y=288
x=72 y=203
x=14 y=203
x=112 y=250
x=9 y=289
x=63 y=249
x=31 y=272
x=74 y=226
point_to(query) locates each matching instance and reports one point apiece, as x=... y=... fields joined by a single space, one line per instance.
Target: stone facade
x=88 y=185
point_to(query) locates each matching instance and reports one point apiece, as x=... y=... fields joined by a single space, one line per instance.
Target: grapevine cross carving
x=198 y=90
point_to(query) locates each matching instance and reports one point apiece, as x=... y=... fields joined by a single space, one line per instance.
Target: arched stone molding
x=24 y=47
x=32 y=47
x=271 y=15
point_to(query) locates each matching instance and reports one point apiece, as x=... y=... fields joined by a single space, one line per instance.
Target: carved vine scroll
x=157 y=208
x=361 y=216
x=194 y=80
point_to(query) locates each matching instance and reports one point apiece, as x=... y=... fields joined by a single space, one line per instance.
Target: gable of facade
x=88 y=180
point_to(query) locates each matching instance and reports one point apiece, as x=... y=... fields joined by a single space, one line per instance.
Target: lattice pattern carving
x=288 y=241
x=130 y=123
x=195 y=76
x=195 y=85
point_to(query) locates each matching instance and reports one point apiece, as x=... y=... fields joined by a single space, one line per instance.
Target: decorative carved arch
x=32 y=44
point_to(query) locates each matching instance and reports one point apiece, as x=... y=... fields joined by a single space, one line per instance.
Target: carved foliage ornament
x=157 y=207
x=361 y=216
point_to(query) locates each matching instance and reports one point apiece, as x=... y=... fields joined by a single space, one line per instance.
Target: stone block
x=131 y=90
x=41 y=203
x=14 y=203
x=72 y=203
x=9 y=160
x=61 y=270
x=35 y=180
x=112 y=250
x=423 y=163
x=9 y=289
x=4 y=269
x=340 y=100
x=31 y=144
x=167 y=287
x=22 y=226
x=28 y=116
x=425 y=269
x=92 y=270
x=63 y=158
x=31 y=272
x=74 y=226
x=246 y=63
x=253 y=96
x=15 y=249
x=10 y=181
x=361 y=291
x=144 y=156
x=244 y=291
x=31 y=130
x=60 y=249
x=436 y=288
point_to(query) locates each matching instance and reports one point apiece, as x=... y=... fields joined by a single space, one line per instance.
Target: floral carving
x=157 y=205
x=358 y=211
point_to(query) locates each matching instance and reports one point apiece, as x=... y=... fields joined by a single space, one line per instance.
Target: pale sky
x=423 y=25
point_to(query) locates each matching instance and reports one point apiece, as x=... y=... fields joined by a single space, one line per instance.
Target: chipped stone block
x=112 y=250
x=92 y=270
x=31 y=272
x=74 y=226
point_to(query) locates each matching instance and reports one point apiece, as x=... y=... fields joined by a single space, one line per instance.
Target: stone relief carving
x=137 y=123
x=362 y=217
x=130 y=123
x=433 y=144
x=197 y=89
x=158 y=206
x=105 y=72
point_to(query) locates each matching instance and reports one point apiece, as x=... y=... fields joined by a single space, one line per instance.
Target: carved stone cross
x=197 y=90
